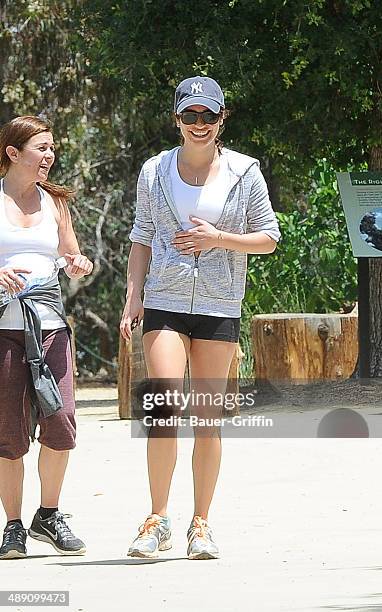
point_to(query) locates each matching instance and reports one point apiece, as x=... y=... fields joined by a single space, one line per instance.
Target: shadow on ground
x=93 y=403
x=134 y=561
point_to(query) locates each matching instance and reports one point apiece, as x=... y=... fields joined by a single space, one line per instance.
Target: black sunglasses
x=190 y=117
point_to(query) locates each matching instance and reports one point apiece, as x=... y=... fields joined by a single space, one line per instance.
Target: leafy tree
x=303 y=79
x=42 y=72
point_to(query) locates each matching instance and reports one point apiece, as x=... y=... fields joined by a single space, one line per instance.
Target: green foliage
x=301 y=78
x=302 y=81
x=312 y=270
x=42 y=72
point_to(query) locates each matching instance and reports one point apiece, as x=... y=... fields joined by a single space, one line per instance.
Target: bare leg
x=11 y=486
x=51 y=467
x=166 y=357
x=209 y=360
x=205 y=465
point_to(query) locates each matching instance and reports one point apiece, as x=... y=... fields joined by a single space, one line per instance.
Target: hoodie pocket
x=215 y=279
x=172 y=273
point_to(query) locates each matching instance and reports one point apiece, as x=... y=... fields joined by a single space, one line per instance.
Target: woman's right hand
x=132 y=314
x=10 y=280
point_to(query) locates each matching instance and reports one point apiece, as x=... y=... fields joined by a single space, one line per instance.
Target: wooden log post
x=233 y=380
x=304 y=347
x=132 y=369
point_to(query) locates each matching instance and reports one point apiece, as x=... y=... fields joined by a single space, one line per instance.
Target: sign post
x=363 y=317
x=361 y=196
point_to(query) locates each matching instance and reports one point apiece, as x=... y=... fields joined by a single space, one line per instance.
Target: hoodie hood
x=238 y=163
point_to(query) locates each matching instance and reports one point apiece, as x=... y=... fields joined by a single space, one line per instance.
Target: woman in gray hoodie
x=200 y=209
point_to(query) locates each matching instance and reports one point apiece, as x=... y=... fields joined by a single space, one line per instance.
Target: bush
x=312 y=269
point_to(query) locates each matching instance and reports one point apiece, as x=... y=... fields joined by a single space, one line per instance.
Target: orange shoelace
x=149 y=525
x=200 y=527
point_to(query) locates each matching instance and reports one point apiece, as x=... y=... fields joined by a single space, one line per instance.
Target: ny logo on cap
x=196 y=87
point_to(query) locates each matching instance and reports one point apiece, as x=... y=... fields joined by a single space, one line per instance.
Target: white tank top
x=206 y=202
x=33 y=248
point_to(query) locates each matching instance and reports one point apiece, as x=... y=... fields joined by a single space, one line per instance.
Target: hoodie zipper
x=196 y=274
x=217 y=225
x=175 y=213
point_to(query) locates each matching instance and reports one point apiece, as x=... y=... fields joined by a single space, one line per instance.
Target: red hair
x=16 y=133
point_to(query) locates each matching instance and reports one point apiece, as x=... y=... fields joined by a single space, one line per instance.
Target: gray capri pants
x=58 y=431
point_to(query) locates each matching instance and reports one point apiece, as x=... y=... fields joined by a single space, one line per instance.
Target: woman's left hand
x=201 y=237
x=78 y=265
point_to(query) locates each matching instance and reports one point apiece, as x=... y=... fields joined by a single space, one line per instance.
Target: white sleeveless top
x=33 y=248
x=206 y=202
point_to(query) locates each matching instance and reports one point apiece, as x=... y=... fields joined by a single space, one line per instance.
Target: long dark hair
x=219 y=143
x=16 y=133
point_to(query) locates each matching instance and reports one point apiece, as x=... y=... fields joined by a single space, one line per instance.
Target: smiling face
x=200 y=133
x=36 y=157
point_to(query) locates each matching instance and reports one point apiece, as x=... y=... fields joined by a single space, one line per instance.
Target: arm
x=206 y=236
x=139 y=259
x=262 y=227
x=263 y=231
x=11 y=281
x=137 y=266
x=254 y=242
x=141 y=236
x=143 y=229
x=78 y=265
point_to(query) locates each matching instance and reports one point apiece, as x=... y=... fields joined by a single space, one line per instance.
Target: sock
x=46 y=512
x=13 y=521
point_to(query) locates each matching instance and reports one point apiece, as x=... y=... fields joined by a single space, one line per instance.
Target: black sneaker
x=14 y=538
x=56 y=532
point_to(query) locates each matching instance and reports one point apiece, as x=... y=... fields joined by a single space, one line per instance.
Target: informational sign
x=361 y=196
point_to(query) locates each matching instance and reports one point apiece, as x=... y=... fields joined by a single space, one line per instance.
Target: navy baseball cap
x=198 y=90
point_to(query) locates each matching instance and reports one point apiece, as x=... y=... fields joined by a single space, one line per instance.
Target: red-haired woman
x=36 y=385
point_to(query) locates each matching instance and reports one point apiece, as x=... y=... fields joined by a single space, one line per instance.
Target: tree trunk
x=304 y=347
x=375 y=290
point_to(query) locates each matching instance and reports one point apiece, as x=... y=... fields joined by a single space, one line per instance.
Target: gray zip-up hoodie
x=213 y=284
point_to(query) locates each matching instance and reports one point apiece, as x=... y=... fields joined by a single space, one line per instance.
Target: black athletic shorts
x=203 y=327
